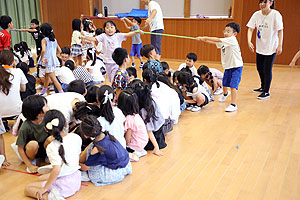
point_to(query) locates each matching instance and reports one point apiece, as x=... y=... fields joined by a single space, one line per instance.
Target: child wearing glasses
x=232 y=62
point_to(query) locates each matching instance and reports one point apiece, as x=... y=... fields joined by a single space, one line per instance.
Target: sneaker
x=231 y=108
x=140 y=153
x=45 y=169
x=141 y=66
x=51 y=87
x=196 y=109
x=223 y=98
x=258 y=90
x=2 y=158
x=15 y=148
x=218 y=91
x=39 y=87
x=133 y=65
x=54 y=195
x=133 y=157
x=264 y=95
x=85 y=177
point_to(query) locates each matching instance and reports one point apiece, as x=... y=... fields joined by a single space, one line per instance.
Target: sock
x=133 y=64
x=142 y=63
x=225 y=94
x=233 y=105
x=61 y=91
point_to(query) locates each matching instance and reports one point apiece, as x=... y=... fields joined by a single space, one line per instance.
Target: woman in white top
x=269 y=38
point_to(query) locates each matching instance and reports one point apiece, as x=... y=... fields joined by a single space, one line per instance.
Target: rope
x=169 y=35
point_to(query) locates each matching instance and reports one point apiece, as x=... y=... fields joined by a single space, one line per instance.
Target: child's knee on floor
x=31 y=149
x=200 y=99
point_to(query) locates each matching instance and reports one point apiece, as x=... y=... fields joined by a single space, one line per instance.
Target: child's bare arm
x=27 y=162
x=92 y=39
x=211 y=40
x=128 y=135
x=156 y=150
x=25 y=30
x=125 y=20
x=132 y=33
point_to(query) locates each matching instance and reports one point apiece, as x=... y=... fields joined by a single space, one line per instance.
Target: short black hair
x=91 y=94
x=128 y=102
x=70 y=64
x=235 y=27
x=4 y=21
x=77 y=86
x=185 y=78
x=35 y=21
x=192 y=56
x=146 y=49
x=32 y=106
x=138 y=19
x=119 y=55
x=23 y=66
x=76 y=24
x=65 y=50
x=99 y=31
x=165 y=65
x=131 y=71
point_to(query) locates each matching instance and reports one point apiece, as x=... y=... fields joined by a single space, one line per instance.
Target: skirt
x=76 y=50
x=101 y=175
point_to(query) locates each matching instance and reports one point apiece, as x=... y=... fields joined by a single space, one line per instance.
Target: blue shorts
x=156 y=40
x=136 y=50
x=232 y=77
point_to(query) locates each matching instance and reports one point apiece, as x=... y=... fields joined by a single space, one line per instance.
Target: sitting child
x=64 y=76
x=191 y=58
x=149 y=52
x=79 y=72
x=94 y=66
x=212 y=77
x=30 y=86
x=131 y=73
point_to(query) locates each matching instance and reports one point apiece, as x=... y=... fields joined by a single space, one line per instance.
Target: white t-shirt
x=75 y=38
x=116 y=128
x=64 y=74
x=157 y=21
x=72 y=146
x=231 y=56
x=95 y=70
x=11 y=104
x=193 y=69
x=267 y=31
x=63 y=103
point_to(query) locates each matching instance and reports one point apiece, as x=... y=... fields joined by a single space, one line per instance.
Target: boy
x=32 y=138
x=120 y=81
x=149 y=52
x=5 y=38
x=191 y=58
x=65 y=55
x=136 y=39
x=231 y=61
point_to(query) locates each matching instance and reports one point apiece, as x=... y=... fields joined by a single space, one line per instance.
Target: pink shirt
x=109 y=44
x=139 y=136
x=216 y=73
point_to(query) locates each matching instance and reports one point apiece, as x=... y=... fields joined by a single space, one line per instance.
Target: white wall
x=210 y=7
x=120 y=6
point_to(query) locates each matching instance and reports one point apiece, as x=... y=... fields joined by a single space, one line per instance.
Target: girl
x=212 y=77
x=111 y=40
x=63 y=152
x=136 y=135
x=76 y=49
x=28 y=53
x=94 y=65
x=151 y=115
x=48 y=57
x=105 y=160
x=269 y=38
x=111 y=118
x=88 y=30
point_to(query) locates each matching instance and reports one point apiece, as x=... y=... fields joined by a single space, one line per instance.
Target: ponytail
x=47 y=31
x=104 y=97
x=91 y=53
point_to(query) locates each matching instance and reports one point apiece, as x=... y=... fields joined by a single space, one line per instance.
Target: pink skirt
x=67 y=185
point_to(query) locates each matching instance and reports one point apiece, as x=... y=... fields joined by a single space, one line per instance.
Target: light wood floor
x=253 y=153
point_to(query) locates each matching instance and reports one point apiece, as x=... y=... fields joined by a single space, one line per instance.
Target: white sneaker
x=190 y=107
x=140 y=153
x=51 y=87
x=218 y=91
x=223 y=98
x=231 y=108
x=54 y=195
x=196 y=109
x=2 y=158
x=45 y=169
x=39 y=87
x=15 y=148
x=32 y=162
x=85 y=177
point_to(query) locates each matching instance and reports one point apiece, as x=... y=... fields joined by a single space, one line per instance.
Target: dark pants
x=156 y=40
x=264 y=64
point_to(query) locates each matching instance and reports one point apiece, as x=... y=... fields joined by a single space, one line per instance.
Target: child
x=295 y=58
x=111 y=40
x=94 y=66
x=99 y=47
x=88 y=30
x=231 y=61
x=212 y=77
x=149 y=52
x=105 y=160
x=79 y=72
x=65 y=55
x=136 y=135
x=120 y=81
x=136 y=39
x=27 y=52
x=63 y=152
x=5 y=38
x=111 y=118
x=30 y=86
x=32 y=137
x=153 y=119
x=48 y=57
x=131 y=73
x=3 y=160
x=191 y=58
x=76 y=49
x=65 y=76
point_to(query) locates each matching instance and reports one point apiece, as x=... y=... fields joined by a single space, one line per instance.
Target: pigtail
x=61 y=150
x=211 y=78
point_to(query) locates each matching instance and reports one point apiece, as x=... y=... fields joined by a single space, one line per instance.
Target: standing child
x=231 y=61
x=212 y=77
x=88 y=30
x=149 y=52
x=191 y=58
x=76 y=49
x=105 y=160
x=64 y=180
x=136 y=39
x=5 y=38
x=121 y=78
x=111 y=40
x=48 y=57
x=136 y=135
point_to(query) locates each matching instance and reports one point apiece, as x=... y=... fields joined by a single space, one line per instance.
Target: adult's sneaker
x=231 y=108
x=223 y=97
x=264 y=95
x=258 y=90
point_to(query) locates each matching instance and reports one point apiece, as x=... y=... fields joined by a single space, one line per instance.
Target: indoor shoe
x=196 y=109
x=54 y=194
x=231 y=108
x=223 y=98
x=258 y=90
x=133 y=157
x=264 y=95
x=218 y=91
x=140 y=153
x=45 y=169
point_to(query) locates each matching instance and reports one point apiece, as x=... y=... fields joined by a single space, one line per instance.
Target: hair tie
x=88 y=107
x=107 y=97
x=54 y=122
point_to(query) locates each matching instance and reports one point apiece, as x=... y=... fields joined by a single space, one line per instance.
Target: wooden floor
x=253 y=153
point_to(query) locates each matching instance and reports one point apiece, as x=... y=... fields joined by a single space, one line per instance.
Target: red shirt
x=4 y=39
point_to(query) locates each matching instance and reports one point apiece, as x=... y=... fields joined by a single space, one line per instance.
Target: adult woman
x=269 y=38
